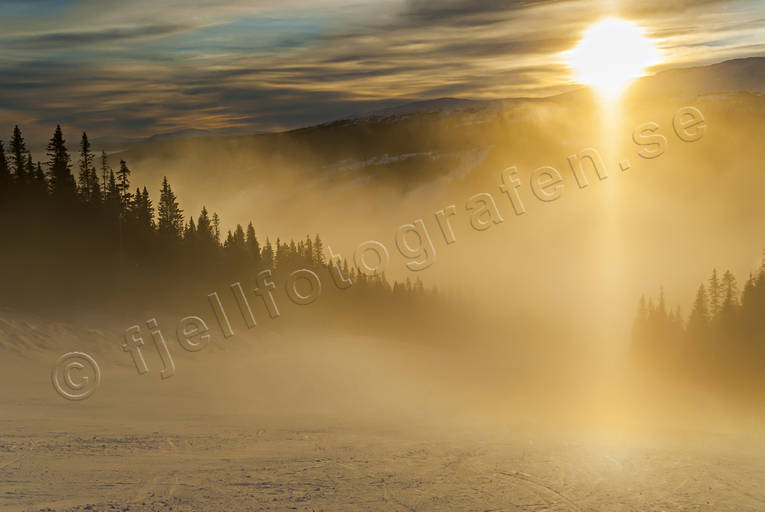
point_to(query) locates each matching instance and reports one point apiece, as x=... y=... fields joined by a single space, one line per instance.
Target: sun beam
x=612 y=53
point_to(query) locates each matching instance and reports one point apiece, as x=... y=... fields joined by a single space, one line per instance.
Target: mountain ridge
x=741 y=74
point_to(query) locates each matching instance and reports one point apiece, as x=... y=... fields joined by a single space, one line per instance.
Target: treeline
x=96 y=242
x=720 y=345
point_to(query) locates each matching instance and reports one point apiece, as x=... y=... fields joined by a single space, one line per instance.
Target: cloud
x=464 y=12
x=168 y=65
x=56 y=40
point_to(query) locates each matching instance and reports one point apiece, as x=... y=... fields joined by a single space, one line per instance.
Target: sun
x=612 y=53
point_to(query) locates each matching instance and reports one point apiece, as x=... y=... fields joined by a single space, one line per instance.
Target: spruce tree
x=205 y=229
x=239 y=238
x=105 y=170
x=267 y=256
x=61 y=179
x=280 y=256
x=309 y=248
x=729 y=289
x=190 y=232
x=18 y=151
x=112 y=190
x=252 y=244
x=112 y=197
x=318 y=251
x=136 y=205
x=123 y=184
x=698 y=321
x=145 y=209
x=85 y=177
x=229 y=243
x=96 y=196
x=715 y=296
x=216 y=228
x=169 y=213
x=292 y=253
x=29 y=172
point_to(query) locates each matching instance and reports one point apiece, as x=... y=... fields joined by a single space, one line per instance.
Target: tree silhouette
x=252 y=244
x=105 y=171
x=722 y=343
x=216 y=228
x=18 y=151
x=318 y=250
x=123 y=185
x=87 y=187
x=715 y=294
x=92 y=243
x=170 y=215
x=698 y=321
x=61 y=179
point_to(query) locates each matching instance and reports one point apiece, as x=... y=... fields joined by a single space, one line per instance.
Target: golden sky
x=133 y=69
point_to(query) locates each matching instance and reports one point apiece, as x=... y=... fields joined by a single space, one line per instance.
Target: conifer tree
x=29 y=171
x=239 y=238
x=292 y=253
x=105 y=171
x=96 y=196
x=18 y=152
x=749 y=295
x=85 y=177
x=267 y=256
x=112 y=199
x=61 y=179
x=190 y=232
x=698 y=321
x=715 y=296
x=729 y=302
x=112 y=190
x=252 y=243
x=729 y=290
x=146 y=219
x=318 y=251
x=205 y=229
x=169 y=213
x=216 y=228
x=309 y=248
x=229 y=243
x=123 y=184
x=136 y=206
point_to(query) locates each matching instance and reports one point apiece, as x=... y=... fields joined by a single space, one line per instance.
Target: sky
x=132 y=69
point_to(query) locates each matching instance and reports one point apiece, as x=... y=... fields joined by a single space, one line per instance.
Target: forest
x=720 y=346
x=98 y=243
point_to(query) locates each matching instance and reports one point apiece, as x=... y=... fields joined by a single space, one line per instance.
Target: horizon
x=120 y=144
x=146 y=69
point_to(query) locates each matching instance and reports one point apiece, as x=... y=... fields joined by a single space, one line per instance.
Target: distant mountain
x=118 y=144
x=729 y=76
x=440 y=105
x=180 y=134
x=747 y=74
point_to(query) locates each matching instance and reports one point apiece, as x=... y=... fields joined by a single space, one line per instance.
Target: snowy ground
x=344 y=425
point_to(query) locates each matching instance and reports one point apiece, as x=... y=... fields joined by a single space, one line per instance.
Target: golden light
x=612 y=53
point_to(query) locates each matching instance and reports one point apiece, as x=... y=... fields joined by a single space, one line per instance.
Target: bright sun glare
x=612 y=53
